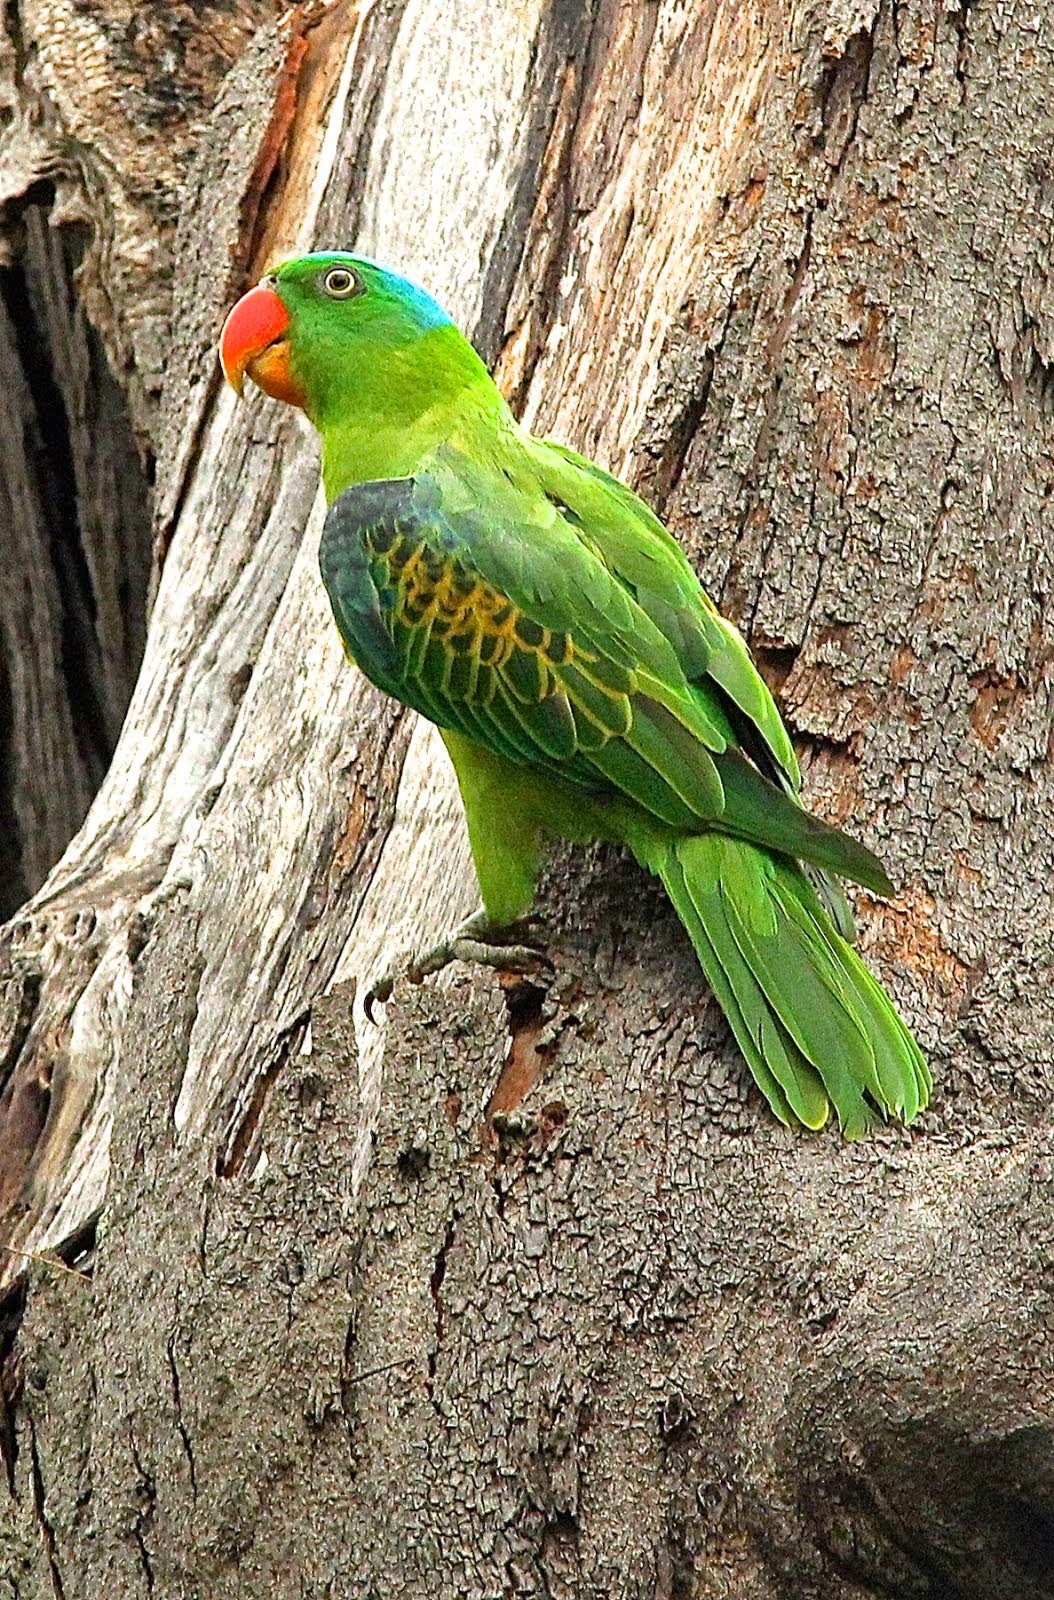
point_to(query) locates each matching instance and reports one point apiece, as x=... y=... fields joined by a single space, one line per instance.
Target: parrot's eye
x=340 y=283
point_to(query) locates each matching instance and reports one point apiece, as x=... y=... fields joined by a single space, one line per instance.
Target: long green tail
x=816 y=1027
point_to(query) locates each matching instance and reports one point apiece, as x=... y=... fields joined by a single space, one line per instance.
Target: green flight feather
x=633 y=543
x=767 y=815
x=799 y=1004
x=536 y=610
x=789 y=1083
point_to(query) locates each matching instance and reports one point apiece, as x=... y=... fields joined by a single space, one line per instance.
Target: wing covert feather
x=550 y=666
x=629 y=538
x=512 y=627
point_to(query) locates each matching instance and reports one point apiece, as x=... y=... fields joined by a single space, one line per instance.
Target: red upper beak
x=254 y=343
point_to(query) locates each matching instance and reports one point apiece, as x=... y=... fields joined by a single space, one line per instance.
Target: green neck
x=382 y=412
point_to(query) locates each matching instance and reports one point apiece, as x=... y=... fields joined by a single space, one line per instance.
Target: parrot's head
x=338 y=335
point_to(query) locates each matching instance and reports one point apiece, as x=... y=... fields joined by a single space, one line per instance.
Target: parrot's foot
x=477 y=940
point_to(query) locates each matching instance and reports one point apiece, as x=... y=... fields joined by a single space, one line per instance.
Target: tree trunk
x=524 y=1292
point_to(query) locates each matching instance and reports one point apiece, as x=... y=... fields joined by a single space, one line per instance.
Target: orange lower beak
x=254 y=343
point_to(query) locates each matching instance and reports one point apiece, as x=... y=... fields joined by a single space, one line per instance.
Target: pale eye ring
x=340 y=283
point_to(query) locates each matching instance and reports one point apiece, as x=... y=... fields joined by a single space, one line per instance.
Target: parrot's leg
x=481 y=940
x=477 y=940
x=501 y=810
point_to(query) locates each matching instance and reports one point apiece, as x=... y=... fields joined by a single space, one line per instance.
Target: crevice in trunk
x=76 y=546
x=52 y=467
x=13 y=888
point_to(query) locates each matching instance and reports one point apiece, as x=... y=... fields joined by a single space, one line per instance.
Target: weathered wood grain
x=99 y=107
x=75 y=538
x=530 y=1295
x=105 y=100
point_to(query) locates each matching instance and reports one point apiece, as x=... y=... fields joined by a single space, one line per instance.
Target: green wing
x=632 y=542
x=454 y=617
x=629 y=538
x=490 y=612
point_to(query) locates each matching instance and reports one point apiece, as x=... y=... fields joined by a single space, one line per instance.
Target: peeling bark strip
x=538 y=1300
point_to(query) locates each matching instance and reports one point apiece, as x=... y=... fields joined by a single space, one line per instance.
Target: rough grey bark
x=542 y=1302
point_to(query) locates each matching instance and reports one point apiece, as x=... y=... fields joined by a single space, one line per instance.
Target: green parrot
x=585 y=686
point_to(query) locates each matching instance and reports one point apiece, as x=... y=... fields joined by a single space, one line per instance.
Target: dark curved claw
x=467 y=942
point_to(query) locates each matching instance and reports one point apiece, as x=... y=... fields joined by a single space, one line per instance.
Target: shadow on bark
x=75 y=513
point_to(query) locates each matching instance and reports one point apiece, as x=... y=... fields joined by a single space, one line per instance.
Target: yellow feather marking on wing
x=490 y=620
x=410 y=565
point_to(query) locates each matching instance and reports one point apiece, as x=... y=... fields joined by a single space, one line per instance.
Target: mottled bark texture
x=525 y=1292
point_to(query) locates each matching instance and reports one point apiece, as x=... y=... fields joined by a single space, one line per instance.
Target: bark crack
x=170 y=1349
x=843 y=90
x=435 y=1284
x=774 y=347
x=13 y=28
x=549 y=228
x=243 y=1142
x=251 y=225
x=526 y=1054
x=54 y=467
x=47 y=1532
x=962 y=52
x=12 y=1310
x=20 y=1015
x=686 y=424
x=146 y=1489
